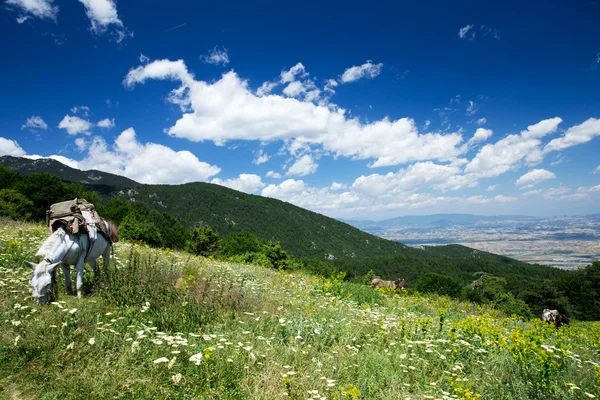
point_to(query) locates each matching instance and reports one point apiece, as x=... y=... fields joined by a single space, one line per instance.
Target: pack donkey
x=554 y=317
x=380 y=283
x=74 y=241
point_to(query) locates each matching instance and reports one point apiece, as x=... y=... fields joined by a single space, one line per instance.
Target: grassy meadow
x=171 y=325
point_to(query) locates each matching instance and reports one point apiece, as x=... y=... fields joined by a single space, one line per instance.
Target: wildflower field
x=171 y=325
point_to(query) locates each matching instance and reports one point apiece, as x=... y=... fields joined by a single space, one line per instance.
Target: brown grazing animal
x=397 y=284
x=554 y=317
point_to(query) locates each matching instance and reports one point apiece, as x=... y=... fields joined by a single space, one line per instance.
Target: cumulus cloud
x=81 y=144
x=290 y=75
x=367 y=70
x=149 y=163
x=597 y=169
x=216 y=56
x=247 y=183
x=43 y=9
x=144 y=59
x=507 y=153
x=491 y=188
x=329 y=86
x=103 y=16
x=261 y=157
x=75 y=125
x=533 y=177
x=575 y=135
x=10 y=147
x=266 y=88
x=481 y=121
x=35 y=122
x=273 y=174
x=348 y=201
x=106 y=123
x=303 y=166
x=228 y=110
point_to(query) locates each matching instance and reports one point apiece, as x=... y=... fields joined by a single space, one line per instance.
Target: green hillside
x=303 y=233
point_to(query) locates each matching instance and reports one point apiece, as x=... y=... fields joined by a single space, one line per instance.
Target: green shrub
x=14 y=205
x=240 y=243
x=135 y=227
x=203 y=241
x=439 y=284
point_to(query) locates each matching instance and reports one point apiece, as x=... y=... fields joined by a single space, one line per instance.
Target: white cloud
x=294 y=89
x=463 y=32
x=64 y=160
x=491 y=188
x=533 y=192
x=75 y=125
x=35 y=122
x=216 y=56
x=367 y=70
x=481 y=135
x=10 y=147
x=575 y=135
x=507 y=153
x=106 y=123
x=266 y=88
x=481 y=121
x=81 y=144
x=144 y=59
x=482 y=200
x=84 y=110
x=103 y=15
x=418 y=176
x=43 y=9
x=305 y=165
x=227 y=110
x=533 y=177
x=273 y=174
x=149 y=163
x=472 y=108
x=329 y=86
x=247 y=183
x=338 y=186
x=597 y=169
x=261 y=157
x=291 y=74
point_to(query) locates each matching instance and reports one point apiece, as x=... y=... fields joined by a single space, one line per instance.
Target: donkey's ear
x=30 y=265
x=52 y=267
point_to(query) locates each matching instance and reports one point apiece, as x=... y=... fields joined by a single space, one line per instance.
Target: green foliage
x=277 y=255
x=203 y=241
x=240 y=243
x=135 y=227
x=14 y=205
x=439 y=284
x=508 y=304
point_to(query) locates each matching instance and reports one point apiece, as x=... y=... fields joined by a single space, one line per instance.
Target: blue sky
x=350 y=109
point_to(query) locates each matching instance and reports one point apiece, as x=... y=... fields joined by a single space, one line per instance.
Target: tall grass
x=174 y=326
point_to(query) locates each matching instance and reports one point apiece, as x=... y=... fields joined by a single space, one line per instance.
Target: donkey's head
x=42 y=280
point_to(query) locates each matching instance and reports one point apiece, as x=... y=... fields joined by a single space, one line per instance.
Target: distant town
x=567 y=242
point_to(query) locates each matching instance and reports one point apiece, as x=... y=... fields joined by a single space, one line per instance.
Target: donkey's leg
x=94 y=266
x=80 y=270
x=106 y=264
x=67 y=274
